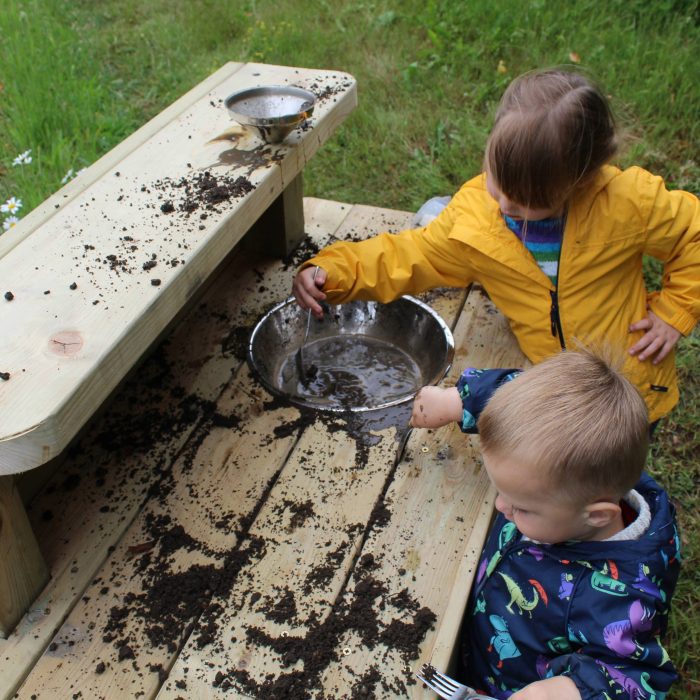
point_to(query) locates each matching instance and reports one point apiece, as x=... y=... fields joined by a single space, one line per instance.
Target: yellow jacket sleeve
x=673 y=236
x=386 y=266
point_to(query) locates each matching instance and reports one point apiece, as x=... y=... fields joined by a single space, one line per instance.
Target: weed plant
x=76 y=77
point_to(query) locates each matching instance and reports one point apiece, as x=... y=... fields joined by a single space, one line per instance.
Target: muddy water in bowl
x=351 y=370
x=363 y=355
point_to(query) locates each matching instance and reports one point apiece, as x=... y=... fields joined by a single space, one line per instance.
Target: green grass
x=77 y=77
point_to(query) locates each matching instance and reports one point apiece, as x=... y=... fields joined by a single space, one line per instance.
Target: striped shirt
x=543 y=240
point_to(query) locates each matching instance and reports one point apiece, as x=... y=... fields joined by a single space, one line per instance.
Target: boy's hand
x=658 y=340
x=555 y=688
x=307 y=290
x=435 y=406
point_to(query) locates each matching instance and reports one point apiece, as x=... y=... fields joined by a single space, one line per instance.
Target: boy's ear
x=602 y=513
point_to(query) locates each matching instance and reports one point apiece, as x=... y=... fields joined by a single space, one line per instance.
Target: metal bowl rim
x=285 y=119
x=300 y=401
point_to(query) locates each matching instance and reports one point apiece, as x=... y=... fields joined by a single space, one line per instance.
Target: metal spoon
x=299 y=359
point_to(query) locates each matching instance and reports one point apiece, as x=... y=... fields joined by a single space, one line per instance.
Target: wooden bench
x=194 y=441
x=98 y=272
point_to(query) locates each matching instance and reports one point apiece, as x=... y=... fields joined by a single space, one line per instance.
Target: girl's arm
x=672 y=222
x=386 y=266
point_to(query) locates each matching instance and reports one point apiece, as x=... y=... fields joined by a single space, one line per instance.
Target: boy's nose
x=503 y=507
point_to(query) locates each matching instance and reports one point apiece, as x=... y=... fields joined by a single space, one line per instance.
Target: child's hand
x=307 y=290
x=555 y=688
x=659 y=338
x=434 y=406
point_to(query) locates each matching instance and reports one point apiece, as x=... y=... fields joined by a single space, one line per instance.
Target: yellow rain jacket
x=619 y=217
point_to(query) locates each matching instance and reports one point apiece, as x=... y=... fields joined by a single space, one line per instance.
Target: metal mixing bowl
x=362 y=356
x=273 y=110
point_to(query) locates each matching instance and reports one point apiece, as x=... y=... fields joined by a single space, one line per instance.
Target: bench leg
x=281 y=228
x=23 y=571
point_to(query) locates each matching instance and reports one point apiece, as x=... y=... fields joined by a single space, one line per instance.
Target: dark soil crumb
x=380 y=516
x=301 y=512
x=126 y=652
x=284 y=609
x=162 y=673
x=236 y=342
x=364 y=687
x=100 y=668
x=305 y=250
x=9 y=296
x=4 y=376
x=73 y=286
x=155 y=282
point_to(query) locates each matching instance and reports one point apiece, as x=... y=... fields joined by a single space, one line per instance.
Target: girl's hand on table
x=307 y=290
x=659 y=339
x=435 y=406
x=555 y=688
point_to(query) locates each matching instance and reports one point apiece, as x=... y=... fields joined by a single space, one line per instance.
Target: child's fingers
x=642 y=325
x=665 y=350
x=655 y=345
x=307 y=292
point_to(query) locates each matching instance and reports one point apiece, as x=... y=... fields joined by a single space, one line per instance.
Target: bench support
x=23 y=571
x=280 y=229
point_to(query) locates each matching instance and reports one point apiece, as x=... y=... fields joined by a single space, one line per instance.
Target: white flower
x=9 y=222
x=11 y=206
x=23 y=158
x=71 y=174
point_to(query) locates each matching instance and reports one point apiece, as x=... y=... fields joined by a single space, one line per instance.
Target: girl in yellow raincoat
x=553 y=233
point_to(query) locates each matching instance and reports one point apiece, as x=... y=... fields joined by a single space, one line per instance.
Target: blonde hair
x=553 y=130
x=577 y=418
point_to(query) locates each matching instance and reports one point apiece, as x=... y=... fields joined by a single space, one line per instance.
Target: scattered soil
x=201 y=190
x=355 y=616
x=179 y=597
x=9 y=296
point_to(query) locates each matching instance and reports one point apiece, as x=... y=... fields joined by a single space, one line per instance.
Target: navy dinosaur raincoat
x=594 y=611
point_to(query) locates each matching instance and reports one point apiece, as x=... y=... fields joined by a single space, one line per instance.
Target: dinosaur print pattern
x=595 y=611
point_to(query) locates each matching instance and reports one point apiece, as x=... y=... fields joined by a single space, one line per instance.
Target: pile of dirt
x=200 y=190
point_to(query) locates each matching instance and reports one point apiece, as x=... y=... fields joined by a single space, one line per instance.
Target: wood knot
x=65 y=343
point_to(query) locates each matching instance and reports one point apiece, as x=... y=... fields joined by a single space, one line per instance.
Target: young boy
x=573 y=589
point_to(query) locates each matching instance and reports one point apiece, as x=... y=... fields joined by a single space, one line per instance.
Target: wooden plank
x=23 y=571
x=328 y=471
x=203 y=481
x=66 y=349
x=76 y=536
x=336 y=487
x=441 y=503
x=179 y=542
x=102 y=484
x=70 y=190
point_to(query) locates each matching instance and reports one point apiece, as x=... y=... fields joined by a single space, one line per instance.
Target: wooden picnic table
x=311 y=523
x=98 y=272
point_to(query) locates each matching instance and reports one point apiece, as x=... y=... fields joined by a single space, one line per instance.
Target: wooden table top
x=208 y=541
x=102 y=267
